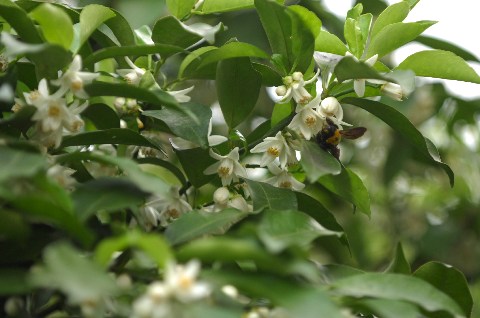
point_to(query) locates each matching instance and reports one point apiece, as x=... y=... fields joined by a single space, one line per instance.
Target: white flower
x=294 y=87
x=228 y=167
x=180 y=281
x=307 y=122
x=326 y=62
x=206 y=31
x=359 y=84
x=283 y=179
x=133 y=75
x=181 y=95
x=393 y=91
x=238 y=202
x=154 y=303
x=62 y=175
x=331 y=108
x=221 y=196
x=13 y=47
x=273 y=148
x=163 y=209
x=74 y=79
x=213 y=140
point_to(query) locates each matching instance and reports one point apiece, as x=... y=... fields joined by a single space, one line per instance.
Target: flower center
x=34 y=95
x=53 y=110
x=223 y=171
x=310 y=121
x=173 y=213
x=76 y=85
x=273 y=151
x=285 y=184
x=185 y=282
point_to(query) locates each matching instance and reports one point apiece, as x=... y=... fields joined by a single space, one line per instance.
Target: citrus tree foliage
x=118 y=200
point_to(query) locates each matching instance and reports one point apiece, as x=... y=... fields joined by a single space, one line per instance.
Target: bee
x=330 y=135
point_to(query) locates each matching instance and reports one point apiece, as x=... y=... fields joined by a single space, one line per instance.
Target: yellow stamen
x=310 y=121
x=223 y=171
x=273 y=151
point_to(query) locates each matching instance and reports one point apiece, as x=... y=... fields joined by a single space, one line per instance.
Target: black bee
x=330 y=135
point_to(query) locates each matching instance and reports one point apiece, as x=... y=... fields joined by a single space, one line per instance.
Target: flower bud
x=330 y=106
x=221 y=195
x=287 y=80
x=393 y=91
x=297 y=76
x=239 y=203
x=281 y=90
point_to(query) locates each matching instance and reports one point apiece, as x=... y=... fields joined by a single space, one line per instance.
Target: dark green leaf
x=180 y=8
x=190 y=63
x=330 y=43
x=440 y=64
x=267 y=196
x=198 y=223
x=105 y=194
x=55 y=23
x=317 y=162
x=350 y=187
x=13 y=226
x=305 y=27
x=404 y=127
x=194 y=168
x=281 y=229
x=348 y=68
x=439 y=44
x=396 y=35
x=91 y=17
x=449 y=280
x=309 y=19
x=14 y=281
x=238 y=87
x=102 y=116
x=190 y=124
x=397 y=287
x=399 y=263
x=168 y=30
x=269 y=76
x=20 y=21
x=231 y=50
x=397 y=12
x=121 y=29
x=18 y=164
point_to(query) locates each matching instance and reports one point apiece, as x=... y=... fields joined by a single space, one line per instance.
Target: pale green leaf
x=397 y=12
x=55 y=23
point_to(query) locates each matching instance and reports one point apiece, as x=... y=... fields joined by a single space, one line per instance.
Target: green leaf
x=13 y=227
x=397 y=287
x=168 y=30
x=387 y=308
x=350 y=187
x=397 y=12
x=439 y=44
x=348 y=68
x=191 y=125
x=269 y=76
x=353 y=38
x=396 y=35
x=55 y=24
x=137 y=50
x=105 y=194
x=449 y=280
x=121 y=29
x=216 y=6
x=79 y=278
x=405 y=128
x=281 y=229
x=317 y=162
x=330 y=43
x=165 y=164
x=180 y=8
x=19 y=164
x=194 y=168
x=199 y=223
x=190 y=63
x=308 y=18
x=14 y=281
x=439 y=64
x=238 y=87
x=267 y=196
x=151 y=243
x=49 y=60
x=399 y=263
x=91 y=17
x=115 y=136
x=20 y=21
x=102 y=116
x=304 y=31
x=280 y=112
x=159 y=98
x=231 y=50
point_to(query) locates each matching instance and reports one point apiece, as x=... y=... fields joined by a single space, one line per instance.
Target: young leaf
x=449 y=280
x=396 y=35
x=199 y=223
x=317 y=162
x=180 y=8
x=280 y=229
x=91 y=17
x=439 y=64
x=330 y=43
x=350 y=187
x=399 y=263
x=397 y=12
x=265 y=195
x=20 y=21
x=238 y=87
x=348 y=68
x=168 y=30
x=404 y=127
x=55 y=23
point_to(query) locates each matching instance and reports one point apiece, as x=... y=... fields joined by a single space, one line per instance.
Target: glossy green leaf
x=388 y=308
x=49 y=60
x=309 y=19
x=14 y=281
x=449 y=280
x=238 y=86
x=330 y=43
x=118 y=136
x=152 y=244
x=191 y=124
x=353 y=37
x=55 y=23
x=116 y=51
x=78 y=277
x=231 y=50
x=199 y=223
x=165 y=164
x=334 y=272
x=348 y=68
x=91 y=17
x=190 y=63
x=102 y=116
x=317 y=162
x=19 y=164
x=397 y=287
x=304 y=31
x=194 y=168
x=216 y=6
x=350 y=187
x=266 y=196
x=20 y=21
x=397 y=12
x=405 y=128
x=281 y=229
x=180 y=8
x=440 y=64
x=439 y=44
x=159 y=98
x=399 y=263
x=280 y=112
x=168 y=30
x=395 y=35
x=121 y=29
x=105 y=194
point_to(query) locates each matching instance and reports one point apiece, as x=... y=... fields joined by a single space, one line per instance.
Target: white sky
x=458 y=23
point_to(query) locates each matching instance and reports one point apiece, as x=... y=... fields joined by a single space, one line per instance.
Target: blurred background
x=412 y=203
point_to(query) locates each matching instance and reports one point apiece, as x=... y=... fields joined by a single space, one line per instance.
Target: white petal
x=359 y=87
x=214 y=140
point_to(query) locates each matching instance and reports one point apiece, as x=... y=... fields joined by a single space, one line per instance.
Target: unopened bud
x=221 y=195
x=281 y=90
x=239 y=203
x=393 y=91
x=330 y=105
x=287 y=80
x=297 y=76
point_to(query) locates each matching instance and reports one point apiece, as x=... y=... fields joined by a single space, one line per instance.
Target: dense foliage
x=138 y=179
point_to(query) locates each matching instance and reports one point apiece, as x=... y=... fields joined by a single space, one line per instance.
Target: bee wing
x=353 y=133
